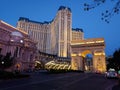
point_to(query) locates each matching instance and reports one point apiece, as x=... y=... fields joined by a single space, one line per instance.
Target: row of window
x=33 y=26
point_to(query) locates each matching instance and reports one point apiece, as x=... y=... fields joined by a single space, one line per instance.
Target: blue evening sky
x=45 y=10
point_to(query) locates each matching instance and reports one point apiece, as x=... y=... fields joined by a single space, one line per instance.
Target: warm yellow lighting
x=77 y=43
x=86 y=68
x=85 y=53
x=89 y=42
x=18 y=65
x=79 y=54
x=100 y=41
x=102 y=69
x=99 y=53
x=64 y=54
x=73 y=55
x=69 y=67
x=37 y=62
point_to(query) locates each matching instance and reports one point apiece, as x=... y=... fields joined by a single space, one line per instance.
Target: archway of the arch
x=83 y=61
x=94 y=62
x=88 y=62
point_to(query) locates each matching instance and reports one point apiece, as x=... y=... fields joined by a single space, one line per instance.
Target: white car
x=111 y=74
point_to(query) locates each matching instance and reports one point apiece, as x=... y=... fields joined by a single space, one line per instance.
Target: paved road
x=66 y=81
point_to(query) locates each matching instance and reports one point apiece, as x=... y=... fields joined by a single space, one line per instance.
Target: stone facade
x=93 y=46
x=19 y=44
x=77 y=34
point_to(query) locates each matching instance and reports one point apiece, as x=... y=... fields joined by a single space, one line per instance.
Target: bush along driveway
x=4 y=75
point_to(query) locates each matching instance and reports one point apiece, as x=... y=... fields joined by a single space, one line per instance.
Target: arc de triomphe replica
x=93 y=46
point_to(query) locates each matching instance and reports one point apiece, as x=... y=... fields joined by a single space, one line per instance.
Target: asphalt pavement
x=63 y=81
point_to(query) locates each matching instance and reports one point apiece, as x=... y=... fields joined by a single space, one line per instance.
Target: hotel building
x=77 y=34
x=53 y=37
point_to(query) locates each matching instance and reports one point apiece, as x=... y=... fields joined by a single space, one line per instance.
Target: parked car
x=111 y=74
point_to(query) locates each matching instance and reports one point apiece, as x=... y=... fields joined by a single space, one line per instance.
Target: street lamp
x=2 y=62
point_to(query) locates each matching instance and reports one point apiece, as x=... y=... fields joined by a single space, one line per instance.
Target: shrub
x=10 y=75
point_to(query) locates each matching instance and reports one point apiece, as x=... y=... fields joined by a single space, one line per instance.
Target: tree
x=6 y=61
x=110 y=64
x=114 y=62
x=116 y=59
x=108 y=13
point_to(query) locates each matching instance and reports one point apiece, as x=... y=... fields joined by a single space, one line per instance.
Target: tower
x=53 y=37
x=64 y=17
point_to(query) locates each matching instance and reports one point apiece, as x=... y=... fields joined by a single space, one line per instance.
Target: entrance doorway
x=87 y=60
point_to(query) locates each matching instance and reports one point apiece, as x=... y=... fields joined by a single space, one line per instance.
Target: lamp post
x=3 y=65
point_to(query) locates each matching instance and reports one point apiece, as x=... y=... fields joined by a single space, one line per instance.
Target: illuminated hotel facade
x=56 y=38
x=53 y=37
x=77 y=34
x=38 y=31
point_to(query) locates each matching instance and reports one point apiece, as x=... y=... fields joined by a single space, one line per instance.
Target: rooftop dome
x=64 y=7
x=15 y=33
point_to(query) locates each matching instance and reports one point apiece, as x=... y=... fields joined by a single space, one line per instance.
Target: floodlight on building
x=21 y=41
